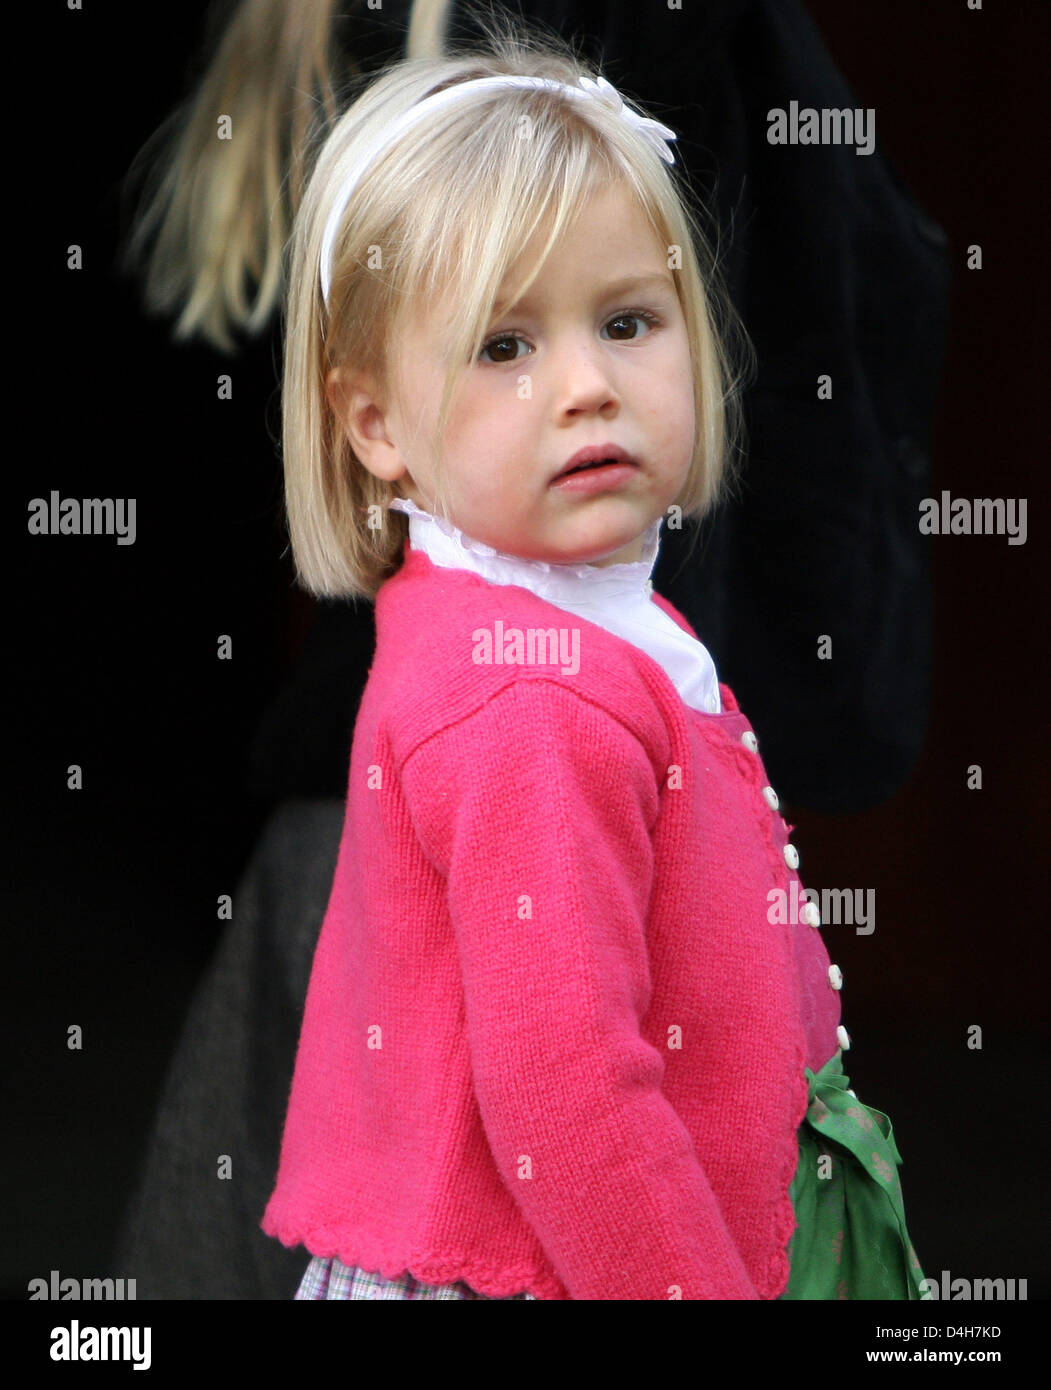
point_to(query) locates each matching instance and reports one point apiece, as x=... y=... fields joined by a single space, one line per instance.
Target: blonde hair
x=209 y=232
x=449 y=208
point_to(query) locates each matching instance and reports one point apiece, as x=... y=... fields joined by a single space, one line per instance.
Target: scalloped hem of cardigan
x=326 y=1246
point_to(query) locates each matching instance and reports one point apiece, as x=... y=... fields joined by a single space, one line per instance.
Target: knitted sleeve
x=538 y=810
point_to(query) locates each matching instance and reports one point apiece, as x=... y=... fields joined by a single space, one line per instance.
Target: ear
x=357 y=406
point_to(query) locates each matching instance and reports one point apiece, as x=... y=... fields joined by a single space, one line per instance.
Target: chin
x=626 y=552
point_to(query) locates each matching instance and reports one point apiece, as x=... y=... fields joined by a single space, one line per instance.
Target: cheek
x=689 y=406
x=686 y=404
x=672 y=397
x=488 y=418
x=415 y=409
x=472 y=404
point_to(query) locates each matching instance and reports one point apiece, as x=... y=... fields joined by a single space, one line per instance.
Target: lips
x=594 y=454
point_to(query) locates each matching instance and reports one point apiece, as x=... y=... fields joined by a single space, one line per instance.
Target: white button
x=843 y=1038
x=835 y=977
x=853 y=1093
x=749 y=740
x=791 y=856
x=771 y=798
x=812 y=914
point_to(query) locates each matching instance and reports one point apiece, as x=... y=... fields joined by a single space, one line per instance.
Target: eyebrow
x=608 y=291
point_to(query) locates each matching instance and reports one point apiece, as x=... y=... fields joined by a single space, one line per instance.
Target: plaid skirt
x=850 y=1240
x=331 y=1279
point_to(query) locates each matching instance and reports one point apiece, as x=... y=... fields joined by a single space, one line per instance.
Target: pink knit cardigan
x=552 y=1040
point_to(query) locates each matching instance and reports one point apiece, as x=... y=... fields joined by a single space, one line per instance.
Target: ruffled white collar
x=616 y=597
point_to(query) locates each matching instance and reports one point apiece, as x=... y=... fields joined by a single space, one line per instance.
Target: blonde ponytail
x=222 y=209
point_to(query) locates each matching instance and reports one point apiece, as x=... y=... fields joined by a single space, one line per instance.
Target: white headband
x=658 y=135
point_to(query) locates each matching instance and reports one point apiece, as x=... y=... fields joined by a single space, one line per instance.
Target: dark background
x=111 y=892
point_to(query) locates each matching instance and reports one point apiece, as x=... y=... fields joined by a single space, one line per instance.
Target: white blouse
x=617 y=597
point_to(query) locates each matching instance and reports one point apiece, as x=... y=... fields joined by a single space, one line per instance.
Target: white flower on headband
x=658 y=135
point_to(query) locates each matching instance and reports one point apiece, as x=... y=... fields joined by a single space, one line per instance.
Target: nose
x=585 y=379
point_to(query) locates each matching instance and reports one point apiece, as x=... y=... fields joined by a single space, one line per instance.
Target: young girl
x=557 y=1043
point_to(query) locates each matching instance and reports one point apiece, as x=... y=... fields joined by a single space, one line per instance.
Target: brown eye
x=649 y=319
x=499 y=345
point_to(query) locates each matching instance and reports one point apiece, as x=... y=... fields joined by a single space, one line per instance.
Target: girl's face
x=596 y=354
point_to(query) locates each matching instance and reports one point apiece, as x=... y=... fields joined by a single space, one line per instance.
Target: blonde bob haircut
x=440 y=216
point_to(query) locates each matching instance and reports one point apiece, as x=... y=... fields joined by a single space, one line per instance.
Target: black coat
x=834 y=269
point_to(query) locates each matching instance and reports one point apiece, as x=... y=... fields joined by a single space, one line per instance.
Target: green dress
x=850 y=1239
